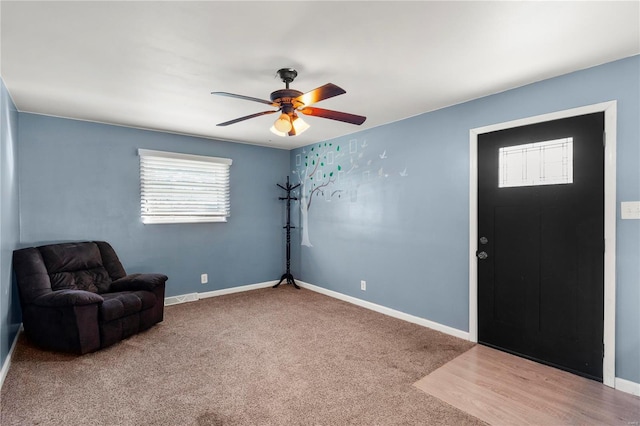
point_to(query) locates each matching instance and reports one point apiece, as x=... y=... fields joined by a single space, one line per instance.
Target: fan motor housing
x=285 y=95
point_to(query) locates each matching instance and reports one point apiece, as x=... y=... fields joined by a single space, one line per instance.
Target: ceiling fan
x=290 y=102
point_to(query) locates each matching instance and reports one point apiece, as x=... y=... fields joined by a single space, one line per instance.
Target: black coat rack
x=287 y=275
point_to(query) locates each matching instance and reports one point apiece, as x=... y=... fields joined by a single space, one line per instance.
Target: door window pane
x=539 y=163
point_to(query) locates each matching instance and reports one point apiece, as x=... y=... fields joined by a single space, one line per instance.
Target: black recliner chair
x=76 y=297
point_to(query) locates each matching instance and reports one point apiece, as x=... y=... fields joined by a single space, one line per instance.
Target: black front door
x=541 y=242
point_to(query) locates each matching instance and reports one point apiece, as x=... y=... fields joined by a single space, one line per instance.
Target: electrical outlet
x=363 y=285
x=204 y=278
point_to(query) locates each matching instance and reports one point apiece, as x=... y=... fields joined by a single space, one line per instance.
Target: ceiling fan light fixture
x=283 y=123
x=299 y=125
x=277 y=132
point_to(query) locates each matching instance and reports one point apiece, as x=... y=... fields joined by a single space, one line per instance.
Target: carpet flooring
x=264 y=357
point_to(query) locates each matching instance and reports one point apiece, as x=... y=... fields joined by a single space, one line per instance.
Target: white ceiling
x=153 y=64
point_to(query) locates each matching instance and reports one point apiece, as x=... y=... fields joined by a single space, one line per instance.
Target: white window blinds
x=183 y=188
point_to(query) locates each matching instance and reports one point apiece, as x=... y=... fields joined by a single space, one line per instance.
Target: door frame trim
x=610 y=119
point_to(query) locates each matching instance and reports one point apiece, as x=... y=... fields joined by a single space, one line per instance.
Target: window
x=539 y=163
x=183 y=188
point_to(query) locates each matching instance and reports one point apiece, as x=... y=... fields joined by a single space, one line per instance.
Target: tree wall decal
x=330 y=170
x=317 y=170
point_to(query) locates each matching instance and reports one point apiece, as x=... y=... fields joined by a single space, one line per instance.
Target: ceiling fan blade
x=334 y=115
x=257 y=114
x=327 y=91
x=246 y=98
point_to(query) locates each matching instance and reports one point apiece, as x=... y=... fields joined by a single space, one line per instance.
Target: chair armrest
x=67 y=298
x=135 y=282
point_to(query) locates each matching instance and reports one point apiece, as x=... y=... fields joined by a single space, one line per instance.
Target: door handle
x=482 y=255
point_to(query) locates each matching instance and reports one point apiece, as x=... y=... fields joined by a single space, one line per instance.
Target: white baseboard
x=627 y=386
x=388 y=311
x=192 y=297
x=7 y=362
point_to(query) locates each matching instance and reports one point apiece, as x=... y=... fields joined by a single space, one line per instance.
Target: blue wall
x=9 y=221
x=80 y=181
x=398 y=214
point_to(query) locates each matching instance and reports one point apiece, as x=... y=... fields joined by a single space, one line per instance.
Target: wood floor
x=504 y=389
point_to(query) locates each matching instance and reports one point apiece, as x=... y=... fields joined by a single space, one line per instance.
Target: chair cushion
x=110 y=260
x=122 y=304
x=94 y=280
x=75 y=266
